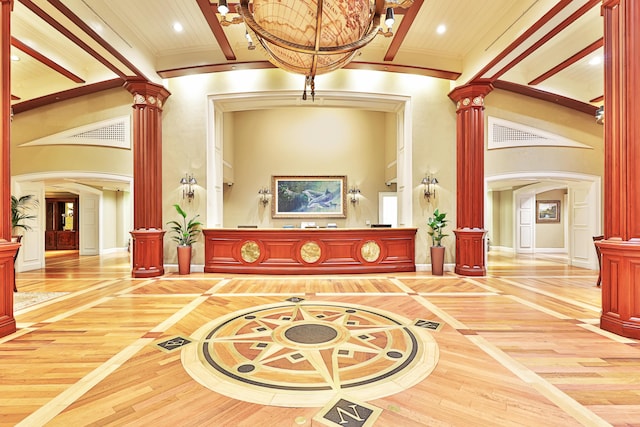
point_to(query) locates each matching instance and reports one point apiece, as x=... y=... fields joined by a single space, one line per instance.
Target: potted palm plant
x=437 y=223
x=20 y=207
x=185 y=233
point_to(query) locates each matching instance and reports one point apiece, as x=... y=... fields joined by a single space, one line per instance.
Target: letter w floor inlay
x=303 y=353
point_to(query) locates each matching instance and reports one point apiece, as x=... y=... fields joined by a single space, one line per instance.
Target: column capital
x=470 y=95
x=146 y=93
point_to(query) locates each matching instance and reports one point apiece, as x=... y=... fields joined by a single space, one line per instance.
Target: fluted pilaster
x=148 y=100
x=470 y=248
x=621 y=247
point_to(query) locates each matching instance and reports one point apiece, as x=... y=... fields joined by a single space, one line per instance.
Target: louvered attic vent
x=107 y=133
x=112 y=132
x=506 y=134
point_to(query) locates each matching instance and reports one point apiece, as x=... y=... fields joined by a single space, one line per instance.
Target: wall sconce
x=353 y=194
x=429 y=187
x=264 y=193
x=188 y=192
x=600 y=115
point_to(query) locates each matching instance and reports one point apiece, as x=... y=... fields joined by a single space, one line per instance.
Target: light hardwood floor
x=519 y=347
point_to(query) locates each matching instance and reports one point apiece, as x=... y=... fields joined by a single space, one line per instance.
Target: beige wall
x=228 y=172
x=124 y=218
x=501 y=232
x=302 y=142
x=110 y=219
x=66 y=115
x=549 y=117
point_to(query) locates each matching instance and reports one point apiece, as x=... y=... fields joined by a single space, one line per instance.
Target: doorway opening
x=62 y=221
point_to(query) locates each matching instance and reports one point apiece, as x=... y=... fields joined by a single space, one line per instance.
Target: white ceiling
x=71 y=47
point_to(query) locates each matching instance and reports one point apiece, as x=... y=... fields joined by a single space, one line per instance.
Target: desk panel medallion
x=310 y=252
x=300 y=353
x=250 y=251
x=370 y=251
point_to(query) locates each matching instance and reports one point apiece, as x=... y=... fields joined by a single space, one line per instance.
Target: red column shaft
x=470 y=247
x=621 y=247
x=148 y=100
x=7 y=249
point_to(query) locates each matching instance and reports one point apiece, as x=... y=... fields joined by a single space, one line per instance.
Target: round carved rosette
x=310 y=252
x=250 y=251
x=370 y=251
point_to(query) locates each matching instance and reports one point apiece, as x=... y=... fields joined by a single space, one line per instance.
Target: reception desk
x=309 y=251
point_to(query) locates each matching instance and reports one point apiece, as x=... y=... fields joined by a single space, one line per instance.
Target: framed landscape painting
x=547 y=211
x=308 y=196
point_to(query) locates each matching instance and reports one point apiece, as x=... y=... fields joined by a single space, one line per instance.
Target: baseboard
x=502 y=249
x=113 y=250
x=550 y=251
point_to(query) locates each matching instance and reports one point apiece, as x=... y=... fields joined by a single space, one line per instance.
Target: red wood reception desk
x=309 y=251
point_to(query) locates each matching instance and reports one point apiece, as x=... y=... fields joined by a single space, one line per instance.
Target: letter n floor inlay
x=304 y=353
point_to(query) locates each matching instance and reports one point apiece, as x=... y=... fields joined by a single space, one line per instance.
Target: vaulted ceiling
x=551 y=49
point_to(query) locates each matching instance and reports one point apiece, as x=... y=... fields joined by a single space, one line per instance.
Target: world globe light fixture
x=312 y=37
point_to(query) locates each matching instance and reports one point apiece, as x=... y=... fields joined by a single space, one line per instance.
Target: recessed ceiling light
x=596 y=60
x=441 y=29
x=177 y=27
x=15 y=57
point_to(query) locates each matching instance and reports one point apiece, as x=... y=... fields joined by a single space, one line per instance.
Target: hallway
x=518 y=347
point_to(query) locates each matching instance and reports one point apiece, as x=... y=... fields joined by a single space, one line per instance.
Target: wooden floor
x=520 y=347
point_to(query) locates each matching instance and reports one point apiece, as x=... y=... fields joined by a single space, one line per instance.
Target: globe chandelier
x=312 y=37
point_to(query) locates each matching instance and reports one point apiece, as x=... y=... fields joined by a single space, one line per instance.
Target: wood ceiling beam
x=214 y=68
x=583 y=107
x=30 y=104
x=403 y=29
x=210 y=16
x=406 y=69
x=68 y=34
x=96 y=37
x=568 y=62
x=354 y=65
x=46 y=61
x=551 y=34
x=481 y=75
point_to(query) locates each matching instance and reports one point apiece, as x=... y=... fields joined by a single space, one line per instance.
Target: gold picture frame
x=547 y=211
x=308 y=196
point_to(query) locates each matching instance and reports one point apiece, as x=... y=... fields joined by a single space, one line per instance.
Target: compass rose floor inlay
x=302 y=353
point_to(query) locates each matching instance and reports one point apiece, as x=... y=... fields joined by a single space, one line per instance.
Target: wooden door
x=62 y=223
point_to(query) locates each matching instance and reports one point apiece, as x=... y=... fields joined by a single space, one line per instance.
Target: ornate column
x=148 y=99
x=621 y=247
x=7 y=248
x=470 y=247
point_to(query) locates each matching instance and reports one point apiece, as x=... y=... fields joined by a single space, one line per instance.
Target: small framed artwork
x=308 y=196
x=547 y=211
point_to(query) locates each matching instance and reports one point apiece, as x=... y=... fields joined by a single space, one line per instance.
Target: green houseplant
x=20 y=207
x=185 y=233
x=437 y=223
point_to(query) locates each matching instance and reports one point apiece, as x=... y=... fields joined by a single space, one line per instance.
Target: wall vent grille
x=107 y=133
x=506 y=134
x=115 y=131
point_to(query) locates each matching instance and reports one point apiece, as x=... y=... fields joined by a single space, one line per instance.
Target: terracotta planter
x=437 y=260
x=184 y=259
